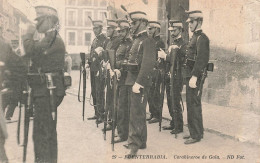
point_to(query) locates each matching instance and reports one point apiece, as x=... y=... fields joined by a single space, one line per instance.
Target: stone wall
x=233 y=29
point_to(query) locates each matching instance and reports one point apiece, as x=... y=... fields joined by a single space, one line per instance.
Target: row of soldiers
x=143 y=68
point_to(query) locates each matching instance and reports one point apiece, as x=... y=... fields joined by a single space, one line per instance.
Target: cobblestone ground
x=82 y=142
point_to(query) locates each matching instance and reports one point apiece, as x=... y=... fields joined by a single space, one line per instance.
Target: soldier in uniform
x=96 y=78
x=197 y=57
x=175 y=58
x=142 y=57
x=112 y=44
x=154 y=98
x=123 y=30
x=47 y=57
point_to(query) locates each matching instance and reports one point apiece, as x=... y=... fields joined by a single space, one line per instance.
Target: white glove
x=2 y=63
x=162 y=54
x=136 y=88
x=118 y=73
x=111 y=73
x=173 y=47
x=98 y=50
x=193 y=81
x=108 y=66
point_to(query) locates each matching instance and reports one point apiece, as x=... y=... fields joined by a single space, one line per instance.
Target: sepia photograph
x=113 y=81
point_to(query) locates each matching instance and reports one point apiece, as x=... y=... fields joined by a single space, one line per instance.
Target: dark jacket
x=142 y=52
x=94 y=60
x=176 y=57
x=48 y=58
x=198 y=51
x=122 y=55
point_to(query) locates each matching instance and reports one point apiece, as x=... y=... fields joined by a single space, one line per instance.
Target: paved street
x=81 y=141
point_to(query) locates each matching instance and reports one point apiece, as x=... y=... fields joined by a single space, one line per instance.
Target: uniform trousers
x=194 y=110
x=137 y=124
x=123 y=111
x=44 y=130
x=154 y=95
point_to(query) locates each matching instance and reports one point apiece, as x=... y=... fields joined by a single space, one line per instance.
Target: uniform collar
x=157 y=37
x=100 y=35
x=198 y=31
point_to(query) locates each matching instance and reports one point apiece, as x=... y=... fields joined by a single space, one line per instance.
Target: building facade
x=13 y=22
x=78 y=33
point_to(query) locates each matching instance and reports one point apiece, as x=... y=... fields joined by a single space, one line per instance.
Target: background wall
x=233 y=29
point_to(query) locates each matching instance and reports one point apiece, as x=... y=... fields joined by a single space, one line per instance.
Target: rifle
x=112 y=60
x=28 y=108
x=106 y=109
x=173 y=58
x=114 y=112
x=128 y=15
x=162 y=89
x=82 y=71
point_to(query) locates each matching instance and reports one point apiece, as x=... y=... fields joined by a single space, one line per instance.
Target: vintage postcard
x=100 y=81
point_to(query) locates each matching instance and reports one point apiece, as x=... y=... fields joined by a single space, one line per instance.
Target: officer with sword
x=46 y=80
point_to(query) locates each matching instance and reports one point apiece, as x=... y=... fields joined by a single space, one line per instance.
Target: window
x=71 y=17
x=103 y=3
x=85 y=2
x=87 y=39
x=71 y=2
x=71 y=38
x=86 y=20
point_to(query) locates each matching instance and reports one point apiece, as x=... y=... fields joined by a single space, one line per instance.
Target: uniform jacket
x=197 y=50
x=122 y=55
x=176 y=56
x=112 y=44
x=46 y=58
x=142 y=52
x=94 y=61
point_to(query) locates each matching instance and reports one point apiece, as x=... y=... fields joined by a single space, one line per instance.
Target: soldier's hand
x=31 y=29
x=118 y=74
x=172 y=47
x=99 y=50
x=111 y=73
x=193 y=81
x=162 y=54
x=136 y=88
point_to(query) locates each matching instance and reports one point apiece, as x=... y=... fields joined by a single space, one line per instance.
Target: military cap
x=193 y=15
x=111 y=23
x=154 y=24
x=97 y=23
x=45 y=11
x=138 y=15
x=174 y=23
x=122 y=24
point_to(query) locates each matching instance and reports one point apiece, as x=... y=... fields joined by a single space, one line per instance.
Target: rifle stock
x=28 y=108
x=173 y=59
x=83 y=72
x=162 y=89
x=114 y=111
